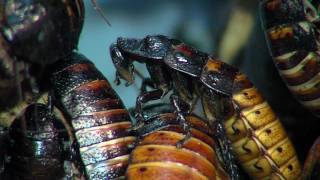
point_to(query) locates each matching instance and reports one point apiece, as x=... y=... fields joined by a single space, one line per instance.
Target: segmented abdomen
x=293 y=44
x=157 y=157
x=97 y=115
x=257 y=136
x=36 y=150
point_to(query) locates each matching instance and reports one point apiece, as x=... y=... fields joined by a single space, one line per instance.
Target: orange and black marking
x=99 y=118
x=157 y=157
x=293 y=42
x=257 y=136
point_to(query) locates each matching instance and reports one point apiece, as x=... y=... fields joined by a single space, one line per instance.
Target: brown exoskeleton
x=257 y=137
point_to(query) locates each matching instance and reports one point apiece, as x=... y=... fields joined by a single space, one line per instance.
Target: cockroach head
x=124 y=66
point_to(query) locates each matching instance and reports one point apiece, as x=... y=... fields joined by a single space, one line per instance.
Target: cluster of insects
x=66 y=121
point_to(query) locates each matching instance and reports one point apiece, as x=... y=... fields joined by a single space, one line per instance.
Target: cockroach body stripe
x=257 y=136
x=97 y=114
x=293 y=42
x=36 y=151
x=156 y=156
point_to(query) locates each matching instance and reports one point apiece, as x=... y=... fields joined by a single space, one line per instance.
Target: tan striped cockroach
x=292 y=34
x=257 y=137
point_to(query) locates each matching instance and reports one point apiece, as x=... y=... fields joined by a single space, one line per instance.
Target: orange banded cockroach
x=97 y=115
x=156 y=155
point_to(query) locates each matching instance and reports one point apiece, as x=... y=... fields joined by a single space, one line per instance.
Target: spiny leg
x=182 y=109
x=117 y=80
x=144 y=97
x=146 y=82
x=213 y=109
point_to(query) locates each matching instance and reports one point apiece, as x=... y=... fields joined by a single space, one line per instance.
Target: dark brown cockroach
x=36 y=150
x=97 y=115
x=156 y=155
x=33 y=34
x=293 y=39
x=38 y=31
x=258 y=139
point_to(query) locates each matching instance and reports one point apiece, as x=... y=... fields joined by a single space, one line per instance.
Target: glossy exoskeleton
x=258 y=139
x=36 y=149
x=33 y=33
x=97 y=115
x=156 y=155
x=38 y=31
x=293 y=37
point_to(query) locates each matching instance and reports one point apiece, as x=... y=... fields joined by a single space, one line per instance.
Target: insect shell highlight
x=36 y=150
x=97 y=115
x=292 y=35
x=258 y=138
x=33 y=33
x=156 y=155
x=39 y=31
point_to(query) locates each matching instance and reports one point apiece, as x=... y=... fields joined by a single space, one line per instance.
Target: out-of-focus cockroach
x=293 y=38
x=35 y=150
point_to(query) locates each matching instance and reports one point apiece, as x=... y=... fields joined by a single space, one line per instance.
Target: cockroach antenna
x=99 y=10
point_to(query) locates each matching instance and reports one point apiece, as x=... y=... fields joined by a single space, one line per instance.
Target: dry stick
x=97 y=8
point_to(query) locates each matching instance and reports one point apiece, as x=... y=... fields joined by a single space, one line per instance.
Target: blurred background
x=228 y=29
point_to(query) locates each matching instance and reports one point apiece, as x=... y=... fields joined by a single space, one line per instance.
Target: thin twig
x=99 y=10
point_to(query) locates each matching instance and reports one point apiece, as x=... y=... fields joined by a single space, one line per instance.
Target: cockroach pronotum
x=292 y=35
x=97 y=115
x=257 y=136
x=36 y=150
x=156 y=155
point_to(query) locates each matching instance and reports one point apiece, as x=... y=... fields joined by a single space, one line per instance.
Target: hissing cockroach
x=192 y=74
x=36 y=150
x=257 y=136
x=157 y=157
x=293 y=41
x=97 y=115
